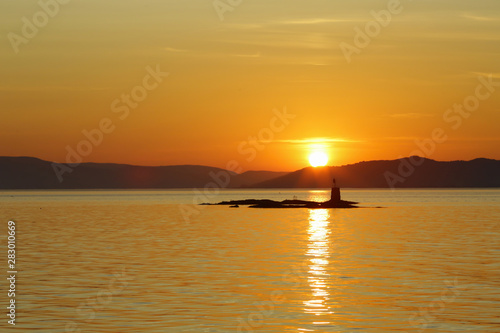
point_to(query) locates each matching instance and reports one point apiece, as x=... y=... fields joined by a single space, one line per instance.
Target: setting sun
x=318 y=158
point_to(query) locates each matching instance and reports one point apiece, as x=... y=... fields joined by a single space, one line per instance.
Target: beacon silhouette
x=335 y=196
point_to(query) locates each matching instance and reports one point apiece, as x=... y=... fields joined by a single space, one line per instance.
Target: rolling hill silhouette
x=399 y=173
x=34 y=173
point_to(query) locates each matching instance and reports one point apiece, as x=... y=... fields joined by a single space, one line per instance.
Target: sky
x=263 y=82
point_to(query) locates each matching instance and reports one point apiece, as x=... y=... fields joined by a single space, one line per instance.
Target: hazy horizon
x=269 y=170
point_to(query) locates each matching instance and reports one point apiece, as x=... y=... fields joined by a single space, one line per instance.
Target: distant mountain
x=411 y=172
x=33 y=173
x=249 y=178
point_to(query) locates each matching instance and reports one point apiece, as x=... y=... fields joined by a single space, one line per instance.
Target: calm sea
x=148 y=261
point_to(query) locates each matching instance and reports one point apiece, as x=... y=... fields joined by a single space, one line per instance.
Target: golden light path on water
x=318 y=249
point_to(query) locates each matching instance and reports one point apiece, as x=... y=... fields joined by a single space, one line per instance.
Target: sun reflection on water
x=318 y=249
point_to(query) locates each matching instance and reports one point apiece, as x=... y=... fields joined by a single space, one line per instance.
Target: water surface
x=130 y=261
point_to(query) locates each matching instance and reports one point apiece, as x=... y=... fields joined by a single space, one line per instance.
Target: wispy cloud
x=476 y=74
x=315 y=140
x=52 y=88
x=309 y=63
x=398 y=138
x=254 y=55
x=173 y=49
x=480 y=18
x=472 y=139
x=313 y=21
x=410 y=115
x=244 y=26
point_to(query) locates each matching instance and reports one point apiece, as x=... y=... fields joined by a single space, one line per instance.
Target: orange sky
x=227 y=76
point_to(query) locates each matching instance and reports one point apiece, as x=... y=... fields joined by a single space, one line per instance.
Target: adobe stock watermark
x=30 y=27
x=363 y=37
x=87 y=310
x=453 y=116
x=249 y=149
x=426 y=315
x=223 y=6
x=122 y=107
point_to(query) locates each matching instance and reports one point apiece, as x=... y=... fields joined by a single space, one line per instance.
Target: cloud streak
x=481 y=18
x=173 y=49
x=313 y=21
x=320 y=140
x=254 y=55
x=410 y=115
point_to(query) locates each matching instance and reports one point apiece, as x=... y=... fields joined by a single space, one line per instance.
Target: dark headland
x=334 y=202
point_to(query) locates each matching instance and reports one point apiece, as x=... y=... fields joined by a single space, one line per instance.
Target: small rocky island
x=334 y=202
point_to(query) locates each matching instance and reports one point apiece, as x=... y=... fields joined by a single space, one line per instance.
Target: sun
x=318 y=158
